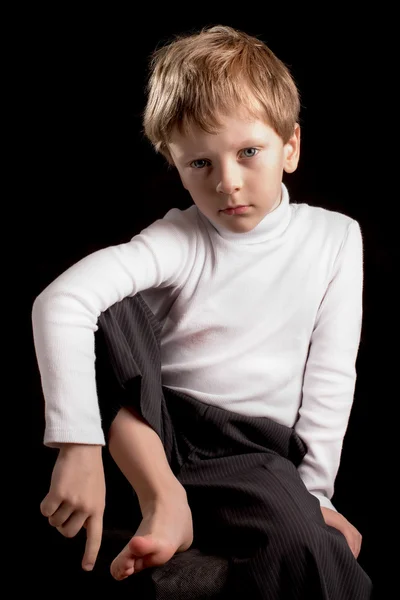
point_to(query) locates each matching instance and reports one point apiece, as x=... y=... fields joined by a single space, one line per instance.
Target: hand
x=335 y=519
x=76 y=497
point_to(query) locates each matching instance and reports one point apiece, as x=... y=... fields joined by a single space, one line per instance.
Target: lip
x=236 y=210
x=234 y=206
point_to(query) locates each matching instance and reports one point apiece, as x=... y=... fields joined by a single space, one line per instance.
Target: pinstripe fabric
x=248 y=502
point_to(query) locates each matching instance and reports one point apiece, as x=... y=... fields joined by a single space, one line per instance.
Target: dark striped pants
x=251 y=511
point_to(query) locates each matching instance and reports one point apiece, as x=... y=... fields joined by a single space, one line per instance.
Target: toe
x=139 y=565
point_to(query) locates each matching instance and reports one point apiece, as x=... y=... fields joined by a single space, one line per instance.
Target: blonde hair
x=198 y=77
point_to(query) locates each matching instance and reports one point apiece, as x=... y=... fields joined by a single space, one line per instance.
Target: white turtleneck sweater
x=265 y=323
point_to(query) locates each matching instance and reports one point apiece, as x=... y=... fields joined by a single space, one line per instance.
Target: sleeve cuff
x=54 y=438
x=324 y=501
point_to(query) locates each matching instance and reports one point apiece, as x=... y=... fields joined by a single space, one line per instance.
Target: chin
x=242 y=227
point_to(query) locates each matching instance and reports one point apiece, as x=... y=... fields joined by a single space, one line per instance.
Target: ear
x=291 y=151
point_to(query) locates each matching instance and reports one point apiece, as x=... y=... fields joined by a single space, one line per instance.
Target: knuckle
x=85 y=507
x=68 y=533
x=77 y=503
x=55 y=495
x=44 y=510
x=70 y=499
x=48 y=504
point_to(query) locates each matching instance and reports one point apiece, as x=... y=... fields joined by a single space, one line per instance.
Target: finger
x=94 y=532
x=74 y=524
x=358 y=546
x=61 y=515
x=354 y=541
x=49 y=504
x=356 y=551
x=354 y=545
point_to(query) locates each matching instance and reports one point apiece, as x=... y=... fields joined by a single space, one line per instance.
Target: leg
x=249 y=503
x=296 y=555
x=166 y=527
x=227 y=465
x=141 y=439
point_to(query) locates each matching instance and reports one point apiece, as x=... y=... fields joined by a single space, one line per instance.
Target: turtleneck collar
x=272 y=225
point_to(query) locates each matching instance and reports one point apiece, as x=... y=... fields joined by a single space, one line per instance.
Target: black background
x=93 y=180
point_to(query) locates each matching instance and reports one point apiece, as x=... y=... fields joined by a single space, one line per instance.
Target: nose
x=229 y=180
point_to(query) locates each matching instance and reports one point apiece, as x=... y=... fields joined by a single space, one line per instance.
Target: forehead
x=237 y=130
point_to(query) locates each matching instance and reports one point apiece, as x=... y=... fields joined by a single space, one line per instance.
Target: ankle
x=165 y=493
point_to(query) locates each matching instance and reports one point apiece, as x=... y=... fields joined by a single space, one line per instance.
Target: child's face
x=241 y=165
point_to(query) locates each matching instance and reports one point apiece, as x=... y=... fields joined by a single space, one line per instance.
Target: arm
x=65 y=318
x=330 y=374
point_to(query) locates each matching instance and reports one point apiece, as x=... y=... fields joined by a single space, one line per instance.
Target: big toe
x=149 y=551
x=140 y=546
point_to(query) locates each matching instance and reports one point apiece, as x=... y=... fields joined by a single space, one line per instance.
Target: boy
x=232 y=329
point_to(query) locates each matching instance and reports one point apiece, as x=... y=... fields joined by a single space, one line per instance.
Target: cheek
x=272 y=160
x=196 y=186
x=184 y=180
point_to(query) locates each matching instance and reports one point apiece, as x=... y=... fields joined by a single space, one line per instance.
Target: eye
x=249 y=152
x=200 y=163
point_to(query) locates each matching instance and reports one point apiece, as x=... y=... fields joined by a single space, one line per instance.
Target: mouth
x=235 y=210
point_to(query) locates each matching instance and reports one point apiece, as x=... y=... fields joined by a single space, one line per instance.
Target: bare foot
x=166 y=528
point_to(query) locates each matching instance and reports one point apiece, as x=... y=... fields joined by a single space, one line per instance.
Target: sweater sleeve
x=330 y=373
x=65 y=315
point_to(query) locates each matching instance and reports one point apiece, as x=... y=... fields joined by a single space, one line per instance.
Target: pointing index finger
x=94 y=532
